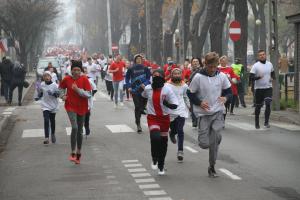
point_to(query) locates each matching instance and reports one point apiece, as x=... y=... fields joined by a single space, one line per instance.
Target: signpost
x=235 y=31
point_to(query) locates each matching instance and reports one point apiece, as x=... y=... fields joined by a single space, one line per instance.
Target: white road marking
x=191 y=149
x=146 y=180
x=230 y=174
x=7 y=113
x=154 y=192
x=133 y=165
x=290 y=127
x=161 y=198
x=110 y=177
x=149 y=186
x=103 y=95
x=9 y=109
x=121 y=128
x=138 y=175
x=33 y=133
x=69 y=130
x=129 y=161
x=137 y=170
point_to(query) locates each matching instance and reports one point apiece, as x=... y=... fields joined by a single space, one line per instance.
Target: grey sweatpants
x=209 y=134
x=76 y=134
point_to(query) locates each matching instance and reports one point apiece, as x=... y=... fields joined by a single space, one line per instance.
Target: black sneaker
x=257 y=126
x=180 y=156
x=267 y=125
x=46 y=141
x=53 y=138
x=212 y=172
x=172 y=138
x=139 y=129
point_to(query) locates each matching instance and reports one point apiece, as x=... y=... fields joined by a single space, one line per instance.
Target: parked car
x=43 y=63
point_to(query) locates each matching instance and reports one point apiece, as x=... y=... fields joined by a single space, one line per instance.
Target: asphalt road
x=253 y=164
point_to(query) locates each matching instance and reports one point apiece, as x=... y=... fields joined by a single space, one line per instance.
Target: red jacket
x=230 y=74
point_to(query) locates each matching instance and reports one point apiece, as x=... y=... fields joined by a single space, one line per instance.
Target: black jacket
x=6 y=70
x=19 y=73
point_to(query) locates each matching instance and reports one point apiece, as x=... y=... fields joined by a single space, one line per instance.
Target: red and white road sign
x=114 y=47
x=235 y=31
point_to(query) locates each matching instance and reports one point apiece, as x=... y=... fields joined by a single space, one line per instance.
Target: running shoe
x=212 y=172
x=161 y=172
x=180 y=156
x=53 y=138
x=154 y=166
x=46 y=141
x=77 y=160
x=72 y=157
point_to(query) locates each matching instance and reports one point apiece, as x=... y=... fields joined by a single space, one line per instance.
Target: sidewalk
x=5 y=116
x=285 y=116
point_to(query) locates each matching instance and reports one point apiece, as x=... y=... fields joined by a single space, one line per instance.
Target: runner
x=76 y=104
x=90 y=100
x=160 y=100
x=178 y=115
x=233 y=78
x=117 y=69
x=137 y=77
x=262 y=73
x=48 y=93
x=238 y=69
x=108 y=79
x=206 y=89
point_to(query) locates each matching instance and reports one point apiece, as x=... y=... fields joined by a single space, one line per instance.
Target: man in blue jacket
x=137 y=77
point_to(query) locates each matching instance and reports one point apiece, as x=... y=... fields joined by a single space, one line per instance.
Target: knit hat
x=47 y=72
x=160 y=71
x=76 y=63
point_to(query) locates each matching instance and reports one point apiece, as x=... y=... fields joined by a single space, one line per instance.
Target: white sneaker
x=154 y=167
x=121 y=104
x=115 y=106
x=161 y=173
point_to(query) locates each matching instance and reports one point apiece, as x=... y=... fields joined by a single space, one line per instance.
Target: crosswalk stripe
x=33 y=133
x=161 y=198
x=154 y=192
x=230 y=174
x=120 y=128
x=139 y=175
x=146 y=180
x=133 y=165
x=137 y=170
x=129 y=161
x=149 y=186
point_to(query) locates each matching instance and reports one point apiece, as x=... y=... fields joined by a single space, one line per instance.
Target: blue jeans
x=176 y=128
x=118 y=89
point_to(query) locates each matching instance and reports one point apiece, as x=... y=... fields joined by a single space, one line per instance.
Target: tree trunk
x=143 y=34
x=156 y=30
x=240 y=47
x=187 y=8
x=256 y=27
x=135 y=34
x=216 y=29
x=226 y=32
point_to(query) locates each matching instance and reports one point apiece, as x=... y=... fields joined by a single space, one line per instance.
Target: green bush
x=289 y=104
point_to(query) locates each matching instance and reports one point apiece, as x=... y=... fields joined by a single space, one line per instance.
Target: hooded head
x=138 y=59
x=176 y=75
x=158 y=79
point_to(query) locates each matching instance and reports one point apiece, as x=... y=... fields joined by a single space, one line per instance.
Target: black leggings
x=110 y=89
x=49 y=119
x=159 y=146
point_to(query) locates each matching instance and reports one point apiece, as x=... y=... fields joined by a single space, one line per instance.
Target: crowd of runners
x=205 y=89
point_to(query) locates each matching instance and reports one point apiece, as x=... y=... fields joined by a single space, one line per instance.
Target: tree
x=240 y=47
x=25 y=21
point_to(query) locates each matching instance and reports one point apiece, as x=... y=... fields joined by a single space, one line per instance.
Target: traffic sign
x=235 y=31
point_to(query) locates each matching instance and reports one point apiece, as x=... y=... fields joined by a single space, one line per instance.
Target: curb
x=3 y=123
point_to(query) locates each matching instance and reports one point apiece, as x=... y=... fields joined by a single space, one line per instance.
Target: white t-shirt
x=54 y=78
x=182 y=109
x=49 y=102
x=166 y=93
x=92 y=71
x=260 y=69
x=209 y=89
x=91 y=99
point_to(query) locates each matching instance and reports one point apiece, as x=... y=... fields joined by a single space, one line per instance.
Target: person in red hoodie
x=233 y=78
x=76 y=90
x=186 y=71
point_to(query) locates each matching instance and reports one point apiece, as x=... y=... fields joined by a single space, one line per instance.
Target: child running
x=48 y=93
x=76 y=104
x=178 y=116
x=160 y=99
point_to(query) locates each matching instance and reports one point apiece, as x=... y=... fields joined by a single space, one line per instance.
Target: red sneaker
x=77 y=161
x=72 y=157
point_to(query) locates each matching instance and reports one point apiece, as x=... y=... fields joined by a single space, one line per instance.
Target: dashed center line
x=191 y=149
x=230 y=174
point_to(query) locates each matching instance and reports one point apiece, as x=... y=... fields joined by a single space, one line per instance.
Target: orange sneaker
x=72 y=157
x=78 y=156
